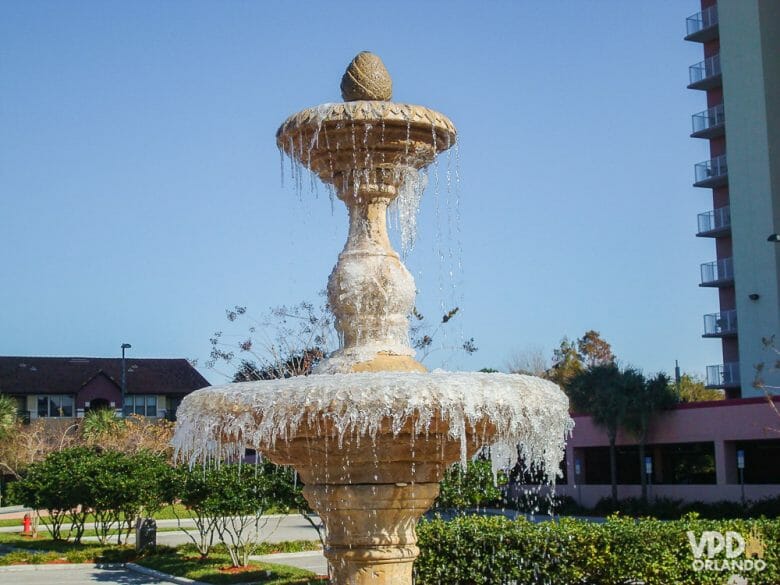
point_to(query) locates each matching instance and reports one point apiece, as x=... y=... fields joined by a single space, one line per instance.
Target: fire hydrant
x=27 y=524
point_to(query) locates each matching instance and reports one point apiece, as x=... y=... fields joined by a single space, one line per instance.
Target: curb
x=162 y=576
x=105 y=566
x=304 y=554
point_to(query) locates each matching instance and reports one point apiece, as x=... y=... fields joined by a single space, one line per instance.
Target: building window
x=144 y=405
x=55 y=406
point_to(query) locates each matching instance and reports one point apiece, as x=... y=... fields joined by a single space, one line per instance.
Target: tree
x=287 y=341
x=472 y=488
x=692 y=389
x=646 y=397
x=238 y=497
x=100 y=423
x=567 y=363
x=423 y=335
x=130 y=435
x=530 y=361
x=773 y=370
x=602 y=392
x=59 y=484
x=301 y=363
x=191 y=487
x=26 y=444
x=7 y=415
x=593 y=350
x=75 y=482
x=291 y=341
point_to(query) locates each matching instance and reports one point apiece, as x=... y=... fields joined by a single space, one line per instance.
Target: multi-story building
x=740 y=78
x=724 y=449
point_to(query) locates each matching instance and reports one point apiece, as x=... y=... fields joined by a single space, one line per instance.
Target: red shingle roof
x=66 y=375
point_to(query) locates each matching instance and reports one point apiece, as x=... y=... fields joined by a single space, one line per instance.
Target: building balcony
x=717 y=273
x=705 y=74
x=711 y=173
x=715 y=222
x=702 y=26
x=710 y=123
x=723 y=375
x=723 y=324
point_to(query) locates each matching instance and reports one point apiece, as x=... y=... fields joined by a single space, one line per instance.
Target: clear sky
x=140 y=185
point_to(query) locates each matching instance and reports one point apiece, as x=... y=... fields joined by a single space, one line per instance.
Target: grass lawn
x=183 y=561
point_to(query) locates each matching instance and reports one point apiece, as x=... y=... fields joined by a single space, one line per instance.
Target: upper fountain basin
x=341 y=139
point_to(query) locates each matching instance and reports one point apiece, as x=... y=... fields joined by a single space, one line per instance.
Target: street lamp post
x=649 y=474
x=124 y=378
x=577 y=473
x=741 y=468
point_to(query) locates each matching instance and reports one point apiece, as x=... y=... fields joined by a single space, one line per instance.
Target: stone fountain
x=371 y=433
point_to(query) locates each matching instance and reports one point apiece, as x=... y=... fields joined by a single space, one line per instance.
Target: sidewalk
x=15 y=512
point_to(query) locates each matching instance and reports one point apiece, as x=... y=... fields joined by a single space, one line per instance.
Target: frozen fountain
x=371 y=432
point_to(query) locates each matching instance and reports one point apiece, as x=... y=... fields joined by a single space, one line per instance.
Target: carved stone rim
x=365 y=111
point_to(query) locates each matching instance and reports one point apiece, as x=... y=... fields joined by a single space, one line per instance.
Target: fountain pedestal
x=371 y=529
x=371 y=491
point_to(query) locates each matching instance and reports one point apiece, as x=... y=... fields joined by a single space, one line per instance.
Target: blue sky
x=140 y=184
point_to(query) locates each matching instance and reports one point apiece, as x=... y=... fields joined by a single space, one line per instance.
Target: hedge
x=475 y=550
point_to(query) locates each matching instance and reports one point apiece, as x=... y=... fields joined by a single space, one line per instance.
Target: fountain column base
x=371 y=529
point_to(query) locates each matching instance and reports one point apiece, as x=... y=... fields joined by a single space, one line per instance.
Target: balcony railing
x=723 y=375
x=717 y=272
x=714 y=221
x=709 y=122
x=720 y=324
x=711 y=173
x=703 y=75
x=701 y=21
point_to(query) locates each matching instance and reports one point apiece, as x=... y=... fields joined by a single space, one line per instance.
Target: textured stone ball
x=366 y=78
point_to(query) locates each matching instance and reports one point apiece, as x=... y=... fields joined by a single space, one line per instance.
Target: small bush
x=672 y=509
x=474 y=488
x=767 y=507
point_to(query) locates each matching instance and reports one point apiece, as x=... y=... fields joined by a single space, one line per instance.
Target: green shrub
x=474 y=488
x=672 y=509
x=768 y=507
x=115 y=487
x=59 y=485
x=473 y=550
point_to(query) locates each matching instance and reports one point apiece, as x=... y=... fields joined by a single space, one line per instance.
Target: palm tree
x=99 y=423
x=601 y=391
x=646 y=398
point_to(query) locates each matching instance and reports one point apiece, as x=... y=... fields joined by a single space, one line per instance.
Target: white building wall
x=750 y=60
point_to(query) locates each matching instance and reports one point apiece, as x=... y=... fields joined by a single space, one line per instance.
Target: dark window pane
x=43 y=406
x=67 y=406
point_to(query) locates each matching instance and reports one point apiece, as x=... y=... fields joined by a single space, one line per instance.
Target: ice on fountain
x=412 y=182
x=407 y=205
x=530 y=414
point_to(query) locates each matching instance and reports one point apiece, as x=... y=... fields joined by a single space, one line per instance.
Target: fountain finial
x=366 y=78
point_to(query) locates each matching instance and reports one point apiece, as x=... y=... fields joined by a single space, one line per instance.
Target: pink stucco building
x=693 y=451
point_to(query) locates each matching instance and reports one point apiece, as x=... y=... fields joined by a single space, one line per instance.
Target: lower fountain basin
x=309 y=418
